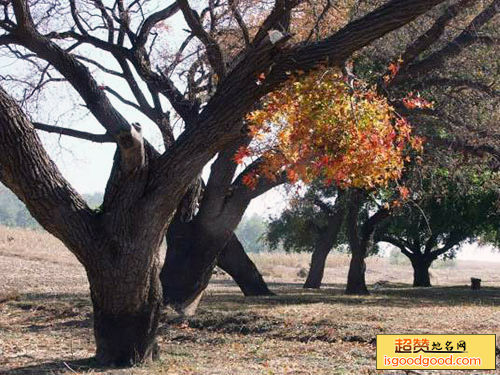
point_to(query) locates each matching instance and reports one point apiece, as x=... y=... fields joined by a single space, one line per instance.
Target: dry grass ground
x=46 y=320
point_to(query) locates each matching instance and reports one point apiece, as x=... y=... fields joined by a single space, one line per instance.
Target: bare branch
x=278 y=19
x=98 y=138
x=239 y=19
x=398 y=244
x=100 y=66
x=76 y=17
x=319 y=19
x=128 y=137
x=108 y=20
x=214 y=52
x=152 y=20
x=121 y=98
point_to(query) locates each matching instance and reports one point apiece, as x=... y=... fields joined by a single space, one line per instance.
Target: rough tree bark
x=190 y=259
x=181 y=238
x=326 y=240
x=356 y=283
x=235 y=261
x=126 y=304
x=193 y=249
x=126 y=316
x=188 y=249
x=318 y=262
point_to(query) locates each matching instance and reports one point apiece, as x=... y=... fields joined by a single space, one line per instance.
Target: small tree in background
x=310 y=223
x=326 y=216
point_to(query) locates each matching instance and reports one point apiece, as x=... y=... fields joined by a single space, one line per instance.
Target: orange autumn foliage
x=413 y=101
x=319 y=126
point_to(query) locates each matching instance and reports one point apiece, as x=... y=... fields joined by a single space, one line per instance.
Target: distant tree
x=25 y=220
x=450 y=208
x=94 y=200
x=311 y=223
x=362 y=218
x=13 y=212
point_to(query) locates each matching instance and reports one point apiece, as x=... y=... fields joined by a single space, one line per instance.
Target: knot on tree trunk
x=132 y=148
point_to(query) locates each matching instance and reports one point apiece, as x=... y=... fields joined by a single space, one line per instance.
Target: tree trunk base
x=421 y=276
x=421 y=285
x=311 y=285
x=357 y=291
x=356 y=282
x=317 y=268
x=258 y=292
x=123 y=340
x=187 y=308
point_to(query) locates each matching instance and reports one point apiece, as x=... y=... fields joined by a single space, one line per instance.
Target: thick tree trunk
x=127 y=307
x=120 y=256
x=421 y=277
x=196 y=239
x=358 y=242
x=356 y=283
x=192 y=253
x=240 y=267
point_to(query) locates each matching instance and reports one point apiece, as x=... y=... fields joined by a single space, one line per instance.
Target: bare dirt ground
x=46 y=316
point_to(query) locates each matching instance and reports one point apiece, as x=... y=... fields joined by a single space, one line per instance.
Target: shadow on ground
x=389 y=295
x=225 y=311
x=58 y=367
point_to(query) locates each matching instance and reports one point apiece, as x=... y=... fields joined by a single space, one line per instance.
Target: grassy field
x=46 y=316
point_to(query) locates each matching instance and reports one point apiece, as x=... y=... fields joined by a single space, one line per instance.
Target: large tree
x=214 y=89
x=203 y=224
